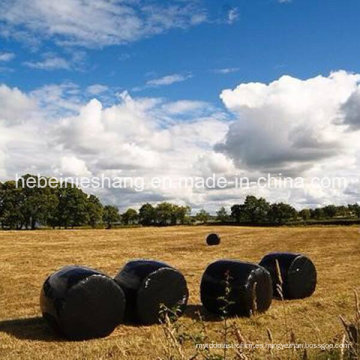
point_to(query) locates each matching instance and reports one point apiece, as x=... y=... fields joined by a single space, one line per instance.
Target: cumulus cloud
x=351 y=111
x=292 y=126
x=289 y=124
x=94 y=24
x=15 y=106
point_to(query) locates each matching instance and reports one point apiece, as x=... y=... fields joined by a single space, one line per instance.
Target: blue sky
x=183 y=88
x=266 y=39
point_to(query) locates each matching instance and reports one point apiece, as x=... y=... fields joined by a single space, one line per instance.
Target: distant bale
x=149 y=285
x=81 y=303
x=213 y=239
x=298 y=274
x=249 y=288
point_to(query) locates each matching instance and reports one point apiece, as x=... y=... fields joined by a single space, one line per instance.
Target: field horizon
x=27 y=258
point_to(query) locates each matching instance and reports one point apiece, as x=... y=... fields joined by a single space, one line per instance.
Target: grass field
x=26 y=258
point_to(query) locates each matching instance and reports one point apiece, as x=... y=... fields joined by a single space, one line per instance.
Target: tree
x=305 y=214
x=72 y=208
x=147 y=215
x=329 y=211
x=111 y=216
x=95 y=210
x=317 y=213
x=237 y=213
x=11 y=205
x=202 y=216
x=179 y=214
x=342 y=211
x=355 y=209
x=164 y=214
x=222 y=215
x=281 y=213
x=130 y=216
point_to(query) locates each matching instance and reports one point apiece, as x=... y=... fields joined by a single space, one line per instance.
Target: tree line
x=66 y=206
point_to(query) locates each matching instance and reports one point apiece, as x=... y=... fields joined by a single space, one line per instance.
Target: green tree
x=179 y=214
x=355 y=209
x=130 y=216
x=164 y=213
x=39 y=201
x=11 y=204
x=254 y=211
x=329 y=211
x=202 y=216
x=281 y=213
x=72 y=209
x=95 y=210
x=222 y=215
x=317 y=214
x=305 y=214
x=147 y=215
x=111 y=216
x=237 y=213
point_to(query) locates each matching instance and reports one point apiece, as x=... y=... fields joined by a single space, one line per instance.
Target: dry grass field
x=26 y=258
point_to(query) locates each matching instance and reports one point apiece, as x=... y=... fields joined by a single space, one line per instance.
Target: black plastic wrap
x=80 y=303
x=148 y=285
x=298 y=274
x=213 y=239
x=249 y=286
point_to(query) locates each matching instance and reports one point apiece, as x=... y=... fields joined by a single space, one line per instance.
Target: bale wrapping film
x=148 y=285
x=213 y=239
x=81 y=303
x=249 y=286
x=298 y=274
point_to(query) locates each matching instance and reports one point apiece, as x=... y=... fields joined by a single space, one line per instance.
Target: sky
x=177 y=88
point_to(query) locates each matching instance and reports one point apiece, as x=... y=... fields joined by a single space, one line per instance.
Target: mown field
x=26 y=258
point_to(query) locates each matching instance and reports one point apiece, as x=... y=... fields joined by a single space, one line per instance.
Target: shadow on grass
x=33 y=328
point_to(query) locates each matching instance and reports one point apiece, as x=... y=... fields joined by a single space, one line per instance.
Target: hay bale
x=148 y=285
x=80 y=303
x=213 y=239
x=298 y=274
x=249 y=286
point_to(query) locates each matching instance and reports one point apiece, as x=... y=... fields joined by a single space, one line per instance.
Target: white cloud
x=15 y=106
x=96 y=89
x=50 y=62
x=226 y=70
x=288 y=124
x=93 y=24
x=185 y=107
x=232 y=16
x=296 y=126
x=6 y=56
x=72 y=166
x=167 y=80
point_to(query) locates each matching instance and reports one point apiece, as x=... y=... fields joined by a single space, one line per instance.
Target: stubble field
x=27 y=258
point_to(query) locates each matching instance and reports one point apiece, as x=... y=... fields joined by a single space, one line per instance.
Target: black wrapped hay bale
x=149 y=285
x=249 y=288
x=298 y=274
x=213 y=239
x=81 y=303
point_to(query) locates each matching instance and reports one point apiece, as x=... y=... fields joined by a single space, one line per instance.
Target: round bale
x=150 y=285
x=248 y=287
x=213 y=239
x=81 y=303
x=298 y=274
